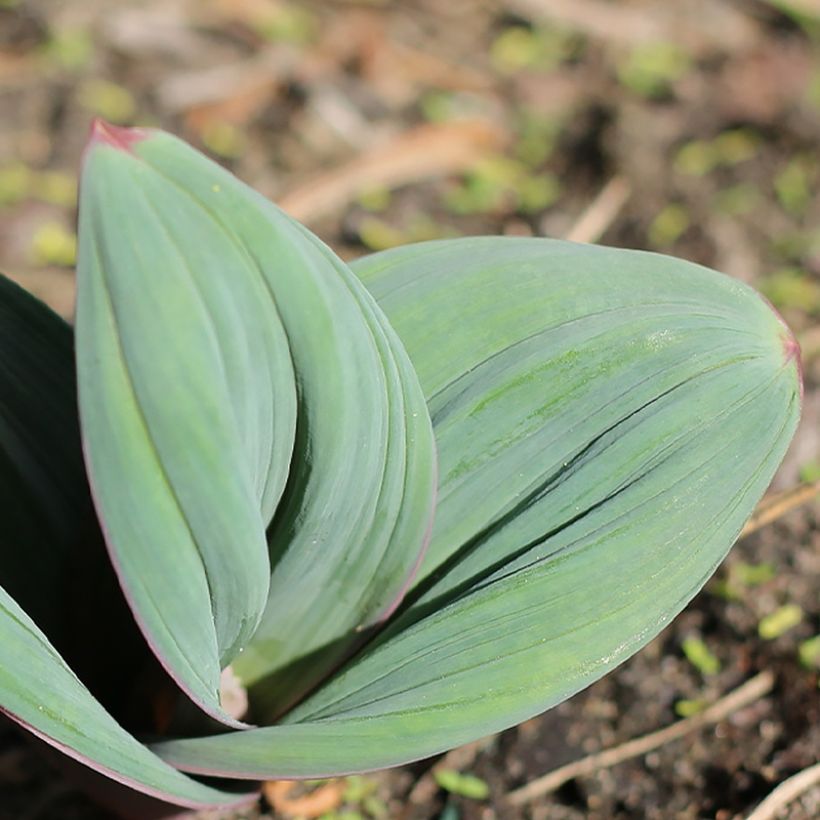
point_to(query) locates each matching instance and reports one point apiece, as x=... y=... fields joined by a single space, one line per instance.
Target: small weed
x=669 y=225
x=53 y=244
x=652 y=68
x=465 y=785
x=779 y=622
x=700 y=656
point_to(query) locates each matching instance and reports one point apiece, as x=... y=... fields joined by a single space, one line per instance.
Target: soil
x=702 y=120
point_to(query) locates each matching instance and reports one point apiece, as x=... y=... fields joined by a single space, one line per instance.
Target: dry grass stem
x=786 y=792
x=754 y=689
x=423 y=152
x=777 y=505
x=594 y=222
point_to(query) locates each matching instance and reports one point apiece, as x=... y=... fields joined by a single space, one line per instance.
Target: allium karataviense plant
x=266 y=433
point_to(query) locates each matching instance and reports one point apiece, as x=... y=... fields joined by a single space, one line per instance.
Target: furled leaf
x=222 y=353
x=606 y=421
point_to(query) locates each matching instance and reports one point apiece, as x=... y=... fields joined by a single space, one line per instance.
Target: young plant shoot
x=405 y=502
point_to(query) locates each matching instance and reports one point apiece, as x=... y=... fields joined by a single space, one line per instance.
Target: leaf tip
x=114 y=135
x=789 y=346
x=791 y=351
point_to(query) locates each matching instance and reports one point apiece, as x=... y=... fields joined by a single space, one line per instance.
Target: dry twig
x=593 y=223
x=426 y=151
x=322 y=800
x=778 y=504
x=786 y=792
x=721 y=27
x=754 y=689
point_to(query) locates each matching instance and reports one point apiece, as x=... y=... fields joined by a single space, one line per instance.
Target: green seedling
x=795 y=183
x=16 y=183
x=701 y=157
x=55 y=188
x=375 y=199
x=361 y=791
x=377 y=234
x=69 y=49
x=779 y=622
x=793 y=288
x=107 y=99
x=809 y=653
x=536 y=138
x=285 y=23
x=688 y=708
x=669 y=225
x=740 y=578
x=398 y=505
x=503 y=183
x=464 y=785
x=651 y=69
x=738 y=200
x=520 y=48
x=810 y=472
x=700 y=656
x=223 y=139
x=54 y=244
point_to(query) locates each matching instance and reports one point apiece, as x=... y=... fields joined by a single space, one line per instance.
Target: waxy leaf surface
x=231 y=368
x=606 y=421
x=44 y=527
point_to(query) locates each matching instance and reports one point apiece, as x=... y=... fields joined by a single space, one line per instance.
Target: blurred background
x=689 y=127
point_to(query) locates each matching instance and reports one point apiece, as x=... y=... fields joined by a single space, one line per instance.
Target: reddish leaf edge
x=216 y=713
x=116 y=136
x=103 y=134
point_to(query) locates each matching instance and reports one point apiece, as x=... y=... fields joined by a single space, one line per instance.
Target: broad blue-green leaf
x=606 y=421
x=188 y=411
x=211 y=330
x=41 y=693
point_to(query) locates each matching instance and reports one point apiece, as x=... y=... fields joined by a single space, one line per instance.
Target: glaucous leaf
x=228 y=363
x=606 y=421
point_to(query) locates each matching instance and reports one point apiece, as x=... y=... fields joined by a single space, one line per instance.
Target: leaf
x=41 y=470
x=606 y=421
x=185 y=448
x=222 y=352
x=41 y=693
x=467 y=785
